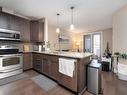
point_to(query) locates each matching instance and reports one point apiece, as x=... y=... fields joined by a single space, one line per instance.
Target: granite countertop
x=66 y=54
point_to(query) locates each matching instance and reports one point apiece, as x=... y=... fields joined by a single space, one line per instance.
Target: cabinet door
x=25 y=30
x=14 y=22
x=46 y=64
x=34 y=30
x=67 y=81
x=3 y=20
x=54 y=67
x=41 y=32
x=37 y=62
x=37 y=31
x=27 y=61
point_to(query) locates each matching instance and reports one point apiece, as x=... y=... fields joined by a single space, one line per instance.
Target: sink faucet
x=59 y=47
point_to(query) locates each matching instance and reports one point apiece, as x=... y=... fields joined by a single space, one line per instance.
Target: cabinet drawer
x=37 y=66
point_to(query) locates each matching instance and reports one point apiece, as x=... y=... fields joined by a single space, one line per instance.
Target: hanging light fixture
x=57 y=29
x=72 y=22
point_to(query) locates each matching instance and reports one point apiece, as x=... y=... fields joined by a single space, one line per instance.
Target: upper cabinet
x=37 y=31
x=31 y=31
x=10 y=22
x=4 y=20
x=25 y=30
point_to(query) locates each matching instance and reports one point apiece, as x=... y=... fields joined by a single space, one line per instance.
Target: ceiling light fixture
x=58 y=29
x=72 y=22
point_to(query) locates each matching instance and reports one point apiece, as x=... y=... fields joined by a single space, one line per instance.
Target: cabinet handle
x=74 y=72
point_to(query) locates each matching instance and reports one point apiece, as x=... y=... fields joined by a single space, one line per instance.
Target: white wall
x=106 y=37
x=120 y=30
x=53 y=38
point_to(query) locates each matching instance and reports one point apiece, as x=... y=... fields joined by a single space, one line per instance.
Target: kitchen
x=41 y=56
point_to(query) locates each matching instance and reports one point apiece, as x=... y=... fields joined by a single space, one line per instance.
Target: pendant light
x=72 y=22
x=57 y=29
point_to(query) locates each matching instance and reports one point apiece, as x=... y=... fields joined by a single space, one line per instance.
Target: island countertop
x=78 y=55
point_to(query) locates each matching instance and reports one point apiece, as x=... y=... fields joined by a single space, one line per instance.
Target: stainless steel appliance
x=94 y=78
x=9 y=35
x=11 y=60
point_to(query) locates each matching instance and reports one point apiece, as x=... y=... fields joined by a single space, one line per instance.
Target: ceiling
x=89 y=15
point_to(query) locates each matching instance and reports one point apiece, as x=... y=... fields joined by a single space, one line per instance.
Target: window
x=96 y=44
x=92 y=43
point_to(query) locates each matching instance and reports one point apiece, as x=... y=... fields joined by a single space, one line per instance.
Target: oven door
x=11 y=62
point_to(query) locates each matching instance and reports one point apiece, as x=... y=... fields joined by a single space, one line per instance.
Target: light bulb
x=57 y=30
x=72 y=27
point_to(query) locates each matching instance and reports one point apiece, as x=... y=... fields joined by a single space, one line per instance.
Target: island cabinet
x=46 y=64
x=54 y=67
x=67 y=81
x=27 y=60
x=77 y=83
x=37 y=31
x=50 y=66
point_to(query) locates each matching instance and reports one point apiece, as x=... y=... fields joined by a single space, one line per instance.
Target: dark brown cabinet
x=46 y=64
x=27 y=61
x=67 y=81
x=37 y=31
x=9 y=21
x=54 y=66
x=37 y=62
x=50 y=65
x=25 y=30
x=3 y=20
x=14 y=22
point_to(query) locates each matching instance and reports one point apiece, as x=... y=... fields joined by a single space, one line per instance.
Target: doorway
x=92 y=43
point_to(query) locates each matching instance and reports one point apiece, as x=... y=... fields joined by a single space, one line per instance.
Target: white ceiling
x=88 y=14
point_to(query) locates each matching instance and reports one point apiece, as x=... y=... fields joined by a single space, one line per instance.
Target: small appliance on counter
x=11 y=60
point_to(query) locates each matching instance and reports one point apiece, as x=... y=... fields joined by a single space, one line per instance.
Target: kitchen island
x=47 y=63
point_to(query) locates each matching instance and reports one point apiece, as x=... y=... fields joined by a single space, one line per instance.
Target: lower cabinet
x=27 y=61
x=46 y=64
x=67 y=81
x=37 y=62
x=54 y=67
x=50 y=66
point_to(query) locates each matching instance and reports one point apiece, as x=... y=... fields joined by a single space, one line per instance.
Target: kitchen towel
x=67 y=66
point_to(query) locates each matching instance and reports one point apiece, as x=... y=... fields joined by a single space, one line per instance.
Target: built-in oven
x=9 y=35
x=11 y=60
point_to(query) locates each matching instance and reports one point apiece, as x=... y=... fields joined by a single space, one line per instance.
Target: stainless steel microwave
x=9 y=35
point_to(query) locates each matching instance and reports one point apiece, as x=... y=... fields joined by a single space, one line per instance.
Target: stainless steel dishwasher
x=94 y=77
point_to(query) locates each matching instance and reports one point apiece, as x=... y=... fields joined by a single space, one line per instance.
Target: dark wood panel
x=69 y=82
x=27 y=61
x=3 y=20
x=14 y=22
x=81 y=68
x=25 y=30
x=37 y=62
x=46 y=64
x=54 y=67
x=37 y=31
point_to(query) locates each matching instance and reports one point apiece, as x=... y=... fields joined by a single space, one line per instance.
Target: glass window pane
x=96 y=44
